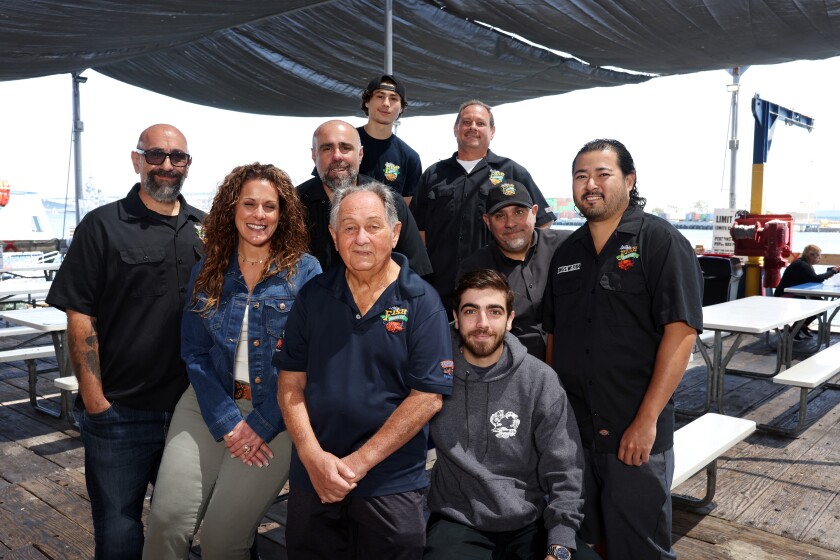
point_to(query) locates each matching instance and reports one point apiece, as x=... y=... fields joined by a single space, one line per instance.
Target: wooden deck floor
x=776 y=497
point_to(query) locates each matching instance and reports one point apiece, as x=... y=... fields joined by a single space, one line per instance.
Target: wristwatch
x=559 y=552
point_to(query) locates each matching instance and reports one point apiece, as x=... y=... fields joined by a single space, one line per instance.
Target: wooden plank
x=18 y=463
x=54 y=491
x=39 y=437
x=28 y=552
x=824 y=530
x=797 y=498
x=37 y=523
x=735 y=542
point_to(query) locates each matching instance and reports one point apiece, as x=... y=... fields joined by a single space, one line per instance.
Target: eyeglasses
x=156 y=157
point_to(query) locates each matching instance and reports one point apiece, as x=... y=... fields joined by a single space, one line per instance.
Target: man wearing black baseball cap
x=522 y=253
x=386 y=157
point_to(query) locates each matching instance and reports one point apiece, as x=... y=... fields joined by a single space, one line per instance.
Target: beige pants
x=198 y=480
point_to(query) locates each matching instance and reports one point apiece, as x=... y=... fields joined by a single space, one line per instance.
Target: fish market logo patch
x=391 y=171
x=199 y=231
x=504 y=424
x=508 y=189
x=496 y=176
x=394 y=319
x=447 y=366
x=627 y=255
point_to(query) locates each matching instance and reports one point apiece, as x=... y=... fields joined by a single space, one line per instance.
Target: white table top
x=759 y=314
x=21 y=286
x=45 y=319
x=815 y=289
x=30 y=267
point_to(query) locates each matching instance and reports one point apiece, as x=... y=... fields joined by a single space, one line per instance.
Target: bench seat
x=698 y=445
x=28 y=355
x=807 y=375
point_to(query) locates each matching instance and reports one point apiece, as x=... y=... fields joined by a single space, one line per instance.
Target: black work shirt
x=128 y=267
x=527 y=279
x=321 y=244
x=608 y=313
x=449 y=205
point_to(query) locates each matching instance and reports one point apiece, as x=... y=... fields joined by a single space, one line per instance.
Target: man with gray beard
x=122 y=285
x=337 y=152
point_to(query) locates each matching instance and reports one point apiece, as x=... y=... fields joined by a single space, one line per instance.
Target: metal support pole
x=735 y=88
x=78 y=128
x=389 y=37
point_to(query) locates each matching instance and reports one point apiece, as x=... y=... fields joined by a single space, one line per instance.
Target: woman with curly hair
x=227 y=452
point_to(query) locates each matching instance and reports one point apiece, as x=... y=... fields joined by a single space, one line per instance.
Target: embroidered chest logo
x=447 y=366
x=199 y=231
x=391 y=171
x=497 y=176
x=394 y=319
x=504 y=424
x=627 y=255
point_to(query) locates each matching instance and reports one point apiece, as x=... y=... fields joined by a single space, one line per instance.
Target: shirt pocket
x=626 y=297
x=567 y=297
x=440 y=199
x=144 y=270
x=275 y=313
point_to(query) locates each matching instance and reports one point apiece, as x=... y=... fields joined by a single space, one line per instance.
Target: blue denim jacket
x=208 y=346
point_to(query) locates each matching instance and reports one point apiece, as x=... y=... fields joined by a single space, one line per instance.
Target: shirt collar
x=135 y=208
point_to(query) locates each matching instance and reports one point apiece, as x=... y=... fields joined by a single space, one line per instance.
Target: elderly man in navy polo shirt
x=365 y=359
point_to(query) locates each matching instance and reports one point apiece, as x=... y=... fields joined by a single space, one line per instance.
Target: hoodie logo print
x=504 y=424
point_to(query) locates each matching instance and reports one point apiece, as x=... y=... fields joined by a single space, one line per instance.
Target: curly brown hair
x=289 y=242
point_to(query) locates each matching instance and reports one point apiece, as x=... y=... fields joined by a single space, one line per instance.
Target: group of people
x=324 y=335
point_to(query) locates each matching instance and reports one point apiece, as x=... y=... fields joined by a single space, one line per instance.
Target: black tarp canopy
x=295 y=58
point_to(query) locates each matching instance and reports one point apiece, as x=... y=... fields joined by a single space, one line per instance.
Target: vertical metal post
x=78 y=128
x=733 y=141
x=389 y=37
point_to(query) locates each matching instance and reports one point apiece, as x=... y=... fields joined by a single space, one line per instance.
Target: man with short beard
x=623 y=307
x=508 y=477
x=520 y=252
x=337 y=152
x=123 y=284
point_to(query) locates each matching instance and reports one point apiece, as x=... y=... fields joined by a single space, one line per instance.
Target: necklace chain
x=243 y=259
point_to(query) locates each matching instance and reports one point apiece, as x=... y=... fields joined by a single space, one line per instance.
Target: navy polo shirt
x=129 y=268
x=359 y=369
x=608 y=313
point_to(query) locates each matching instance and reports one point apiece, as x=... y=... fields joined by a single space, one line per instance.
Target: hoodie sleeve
x=560 y=466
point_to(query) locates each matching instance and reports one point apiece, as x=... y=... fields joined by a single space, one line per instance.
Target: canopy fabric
x=297 y=58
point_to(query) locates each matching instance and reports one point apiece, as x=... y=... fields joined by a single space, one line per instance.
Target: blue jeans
x=123 y=448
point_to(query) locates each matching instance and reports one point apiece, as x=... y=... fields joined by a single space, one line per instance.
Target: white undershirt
x=240 y=360
x=468 y=165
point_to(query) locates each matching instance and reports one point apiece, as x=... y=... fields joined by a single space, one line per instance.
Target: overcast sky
x=675 y=127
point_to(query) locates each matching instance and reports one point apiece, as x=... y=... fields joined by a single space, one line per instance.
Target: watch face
x=559 y=552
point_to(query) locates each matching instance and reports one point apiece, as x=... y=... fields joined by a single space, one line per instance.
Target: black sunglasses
x=156 y=157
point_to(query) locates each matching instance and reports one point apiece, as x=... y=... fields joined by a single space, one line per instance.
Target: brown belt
x=241 y=391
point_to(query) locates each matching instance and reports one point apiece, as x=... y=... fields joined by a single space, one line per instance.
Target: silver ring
x=247 y=448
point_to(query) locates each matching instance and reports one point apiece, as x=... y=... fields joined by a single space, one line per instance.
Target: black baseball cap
x=377 y=83
x=507 y=193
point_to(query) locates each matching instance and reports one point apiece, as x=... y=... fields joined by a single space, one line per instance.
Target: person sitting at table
x=801 y=271
x=228 y=419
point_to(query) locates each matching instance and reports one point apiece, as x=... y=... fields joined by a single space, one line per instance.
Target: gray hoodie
x=505 y=442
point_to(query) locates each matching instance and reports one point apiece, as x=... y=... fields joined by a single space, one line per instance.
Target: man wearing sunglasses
x=123 y=285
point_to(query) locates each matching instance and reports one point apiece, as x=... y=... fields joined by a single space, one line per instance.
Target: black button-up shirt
x=608 y=312
x=321 y=245
x=449 y=204
x=129 y=268
x=527 y=280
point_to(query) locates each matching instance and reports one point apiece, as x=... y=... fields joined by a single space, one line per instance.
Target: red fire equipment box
x=764 y=235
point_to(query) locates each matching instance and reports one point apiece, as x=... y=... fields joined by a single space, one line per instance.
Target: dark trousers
x=628 y=507
x=382 y=527
x=123 y=448
x=449 y=540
